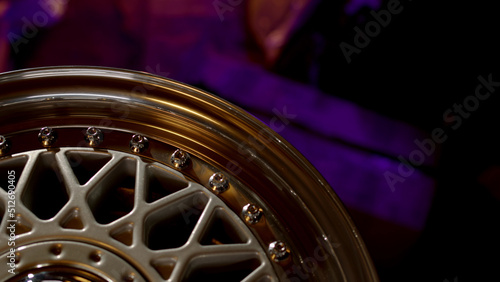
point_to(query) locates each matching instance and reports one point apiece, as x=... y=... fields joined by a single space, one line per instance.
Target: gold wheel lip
x=198 y=106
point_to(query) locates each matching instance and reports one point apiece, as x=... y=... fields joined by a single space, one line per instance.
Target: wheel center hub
x=70 y=261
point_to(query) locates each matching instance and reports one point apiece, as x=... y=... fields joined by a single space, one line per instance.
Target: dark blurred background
x=362 y=83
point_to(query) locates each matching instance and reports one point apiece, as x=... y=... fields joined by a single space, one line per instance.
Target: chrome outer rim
x=299 y=207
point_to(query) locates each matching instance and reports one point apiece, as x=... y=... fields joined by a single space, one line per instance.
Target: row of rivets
x=218 y=182
x=277 y=249
x=48 y=136
x=251 y=213
x=93 y=136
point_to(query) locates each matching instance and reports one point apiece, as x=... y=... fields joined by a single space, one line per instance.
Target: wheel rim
x=280 y=218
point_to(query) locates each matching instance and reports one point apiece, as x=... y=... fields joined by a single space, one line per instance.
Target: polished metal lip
x=312 y=219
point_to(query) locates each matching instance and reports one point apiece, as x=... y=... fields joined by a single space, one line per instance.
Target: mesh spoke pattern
x=160 y=222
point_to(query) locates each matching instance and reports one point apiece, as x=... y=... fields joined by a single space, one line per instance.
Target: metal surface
x=93 y=136
x=180 y=159
x=251 y=213
x=258 y=167
x=47 y=136
x=128 y=216
x=218 y=182
x=4 y=145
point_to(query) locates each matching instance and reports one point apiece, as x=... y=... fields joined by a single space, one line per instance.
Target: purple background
x=353 y=121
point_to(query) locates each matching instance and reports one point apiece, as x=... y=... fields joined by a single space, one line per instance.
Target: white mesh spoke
x=167 y=226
